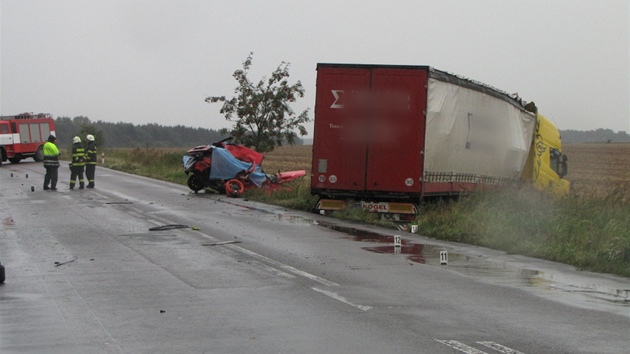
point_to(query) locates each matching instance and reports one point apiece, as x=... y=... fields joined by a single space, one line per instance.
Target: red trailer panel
x=394 y=157
x=339 y=142
x=369 y=130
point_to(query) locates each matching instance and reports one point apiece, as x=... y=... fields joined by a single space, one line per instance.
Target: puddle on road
x=493 y=271
x=470 y=265
x=361 y=235
x=297 y=220
x=414 y=252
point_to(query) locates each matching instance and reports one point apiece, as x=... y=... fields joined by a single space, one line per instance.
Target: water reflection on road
x=571 y=288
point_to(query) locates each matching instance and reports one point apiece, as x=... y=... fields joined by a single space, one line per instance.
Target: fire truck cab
x=23 y=136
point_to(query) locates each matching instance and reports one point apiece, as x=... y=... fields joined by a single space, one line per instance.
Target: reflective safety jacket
x=91 y=154
x=78 y=155
x=51 y=154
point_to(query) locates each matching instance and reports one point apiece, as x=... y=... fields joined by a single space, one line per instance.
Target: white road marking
x=500 y=348
x=140 y=214
x=461 y=346
x=270 y=269
x=285 y=267
x=342 y=299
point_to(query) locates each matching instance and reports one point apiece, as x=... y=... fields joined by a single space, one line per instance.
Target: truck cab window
x=558 y=162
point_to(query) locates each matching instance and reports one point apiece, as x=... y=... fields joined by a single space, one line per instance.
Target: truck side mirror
x=563 y=167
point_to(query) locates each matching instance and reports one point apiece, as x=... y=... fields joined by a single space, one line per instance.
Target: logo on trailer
x=336 y=105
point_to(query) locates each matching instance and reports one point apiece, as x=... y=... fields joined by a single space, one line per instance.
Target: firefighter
x=78 y=163
x=90 y=161
x=51 y=163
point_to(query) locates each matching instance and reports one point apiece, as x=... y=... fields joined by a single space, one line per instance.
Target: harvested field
x=599 y=168
x=289 y=158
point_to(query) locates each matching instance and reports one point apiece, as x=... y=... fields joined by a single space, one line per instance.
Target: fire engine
x=23 y=136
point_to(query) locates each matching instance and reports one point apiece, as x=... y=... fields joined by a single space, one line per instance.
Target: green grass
x=589 y=231
x=163 y=164
x=293 y=195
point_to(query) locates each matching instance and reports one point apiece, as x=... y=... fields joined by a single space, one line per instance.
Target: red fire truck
x=23 y=136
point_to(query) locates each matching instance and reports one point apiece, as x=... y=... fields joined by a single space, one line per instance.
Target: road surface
x=85 y=274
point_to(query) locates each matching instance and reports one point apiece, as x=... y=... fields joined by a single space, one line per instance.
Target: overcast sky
x=155 y=61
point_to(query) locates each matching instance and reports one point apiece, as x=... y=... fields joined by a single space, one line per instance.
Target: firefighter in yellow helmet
x=78 y=163
x=90 y=161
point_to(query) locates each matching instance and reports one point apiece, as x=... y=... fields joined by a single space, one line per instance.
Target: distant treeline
x=154 y=135
x=594 y=136
x=129 y=135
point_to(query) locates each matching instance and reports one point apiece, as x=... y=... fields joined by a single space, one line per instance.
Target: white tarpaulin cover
x=474 y=137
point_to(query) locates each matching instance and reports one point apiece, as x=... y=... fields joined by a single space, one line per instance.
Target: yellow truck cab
x=546 y=164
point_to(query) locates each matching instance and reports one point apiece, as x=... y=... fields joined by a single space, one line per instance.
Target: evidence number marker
x=397 y=241
x=443 y=258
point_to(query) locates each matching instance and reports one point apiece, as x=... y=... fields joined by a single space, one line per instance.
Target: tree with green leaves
x=89 y=128
x=262 y=115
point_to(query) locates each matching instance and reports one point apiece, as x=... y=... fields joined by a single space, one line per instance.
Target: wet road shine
x=85 y=274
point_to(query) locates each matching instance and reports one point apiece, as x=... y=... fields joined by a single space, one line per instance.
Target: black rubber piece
x=169 y=227
x=1 y=274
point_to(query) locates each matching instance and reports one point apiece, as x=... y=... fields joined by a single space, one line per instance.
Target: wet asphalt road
x=86 y=275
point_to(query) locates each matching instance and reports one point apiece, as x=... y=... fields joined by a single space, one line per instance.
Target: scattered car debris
x=2 y=274
x=220 y=243
x=169 y=227
x=57 y=264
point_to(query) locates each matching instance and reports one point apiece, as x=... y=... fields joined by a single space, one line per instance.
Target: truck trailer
x=23 y=136
x=390 y=136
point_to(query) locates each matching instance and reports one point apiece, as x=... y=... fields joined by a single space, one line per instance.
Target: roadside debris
x=57 y=264
x=169 y=227
x=220 y=243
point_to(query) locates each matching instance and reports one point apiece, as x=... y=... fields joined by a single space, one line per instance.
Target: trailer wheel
x=194 y=183
x=15 y=160
x=234 y=188
x=39 y=154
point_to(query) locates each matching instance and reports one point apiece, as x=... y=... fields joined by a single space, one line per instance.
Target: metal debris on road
x=220 y=243
x=169 y=227
x=57 y=264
